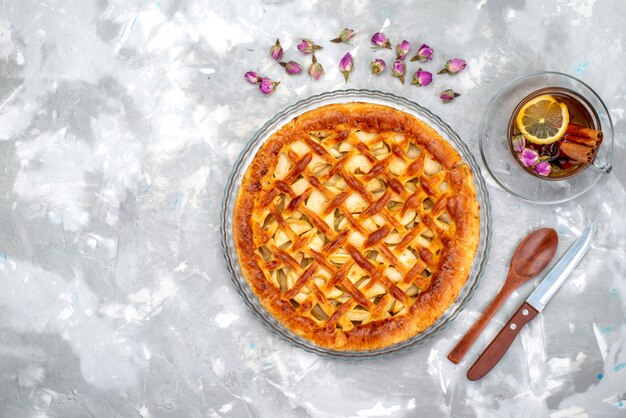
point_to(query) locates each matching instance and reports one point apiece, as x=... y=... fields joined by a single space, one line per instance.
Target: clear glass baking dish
x=347 y=96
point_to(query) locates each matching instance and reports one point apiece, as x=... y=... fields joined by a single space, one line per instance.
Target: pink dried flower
x=380 y=40
x=402 y=49
x=267 y=86
x=453 y=66
x=424 y=53
x=378 y=66
x=344 y=36
x=307 y=46
x=315 y=69
x=422 y=78
x=519 y=143
x=292 y=67
x=543 y=168
x=276 y=51
x=528 y=157
x=345 y=65
x=398 y=70
x=252 y=77
x=447 y=95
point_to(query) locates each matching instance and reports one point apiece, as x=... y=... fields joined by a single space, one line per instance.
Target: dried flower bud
x=276 y=51
x=422 y=78
x=267 y=86
x=380 y=40
x=453 y=66
x=345 y=65
x=543 y=168
x=398 y=70
x=307 y=46
x=402 y=49
x=519 y=143
x=378 y=66
x=292 y=67
x=528 y=157
x=315 y=69
x=252 y=77
x=424 y=53
x=344 y=36
x=447 y=95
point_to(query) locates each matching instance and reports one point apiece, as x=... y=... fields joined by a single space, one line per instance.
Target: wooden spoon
x=533 y=254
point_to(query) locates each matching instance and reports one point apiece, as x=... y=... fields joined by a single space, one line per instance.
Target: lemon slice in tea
x=543 y=120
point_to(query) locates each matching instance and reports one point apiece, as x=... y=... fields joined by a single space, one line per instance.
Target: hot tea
x=554 y=133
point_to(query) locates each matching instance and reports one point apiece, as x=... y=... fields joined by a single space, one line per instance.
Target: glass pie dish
x=348 y=96
x=495 y=149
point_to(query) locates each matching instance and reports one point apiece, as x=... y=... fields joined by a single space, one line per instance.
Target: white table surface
x=119 y=123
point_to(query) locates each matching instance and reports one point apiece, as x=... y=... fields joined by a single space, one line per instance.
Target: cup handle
x=601 y=165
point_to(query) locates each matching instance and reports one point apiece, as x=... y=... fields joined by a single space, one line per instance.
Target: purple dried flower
x=380 y=40
x=398 y=70
x=456 y=65
x=453 y=66
x=424 y=53
x=402 y=49
x=447 y=95
x=307 y=46
x=543 y=168
x=252 y=77
x=528 y=157
x=344 y=36
x=345 y=65
x=276 y=51
x=422 y=78
x=378 y=66
x=519 y=143
x=292 y=67
x=315 y=69
x=267 y=86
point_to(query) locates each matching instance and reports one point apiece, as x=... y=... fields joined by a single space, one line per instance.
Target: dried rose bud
x=528 y=157
x=344 y=36
x=252 y=77
x=345 y=65
x=398 y=70
x=267 y=86
x=519 y=143
x=422 y=78
x=315 y=69
x=307 y=46
x=453 y=66
x=276 y=51
x=292 y=67
x=402 y=49
x=447 y=95
x=380 y=40
x=378 y=66
x=456 y=65
x=424 y=53
x=543 y=168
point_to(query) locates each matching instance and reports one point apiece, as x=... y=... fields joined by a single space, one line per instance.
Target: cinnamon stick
x=577 y=152
x=582 y=140
x=581 y=131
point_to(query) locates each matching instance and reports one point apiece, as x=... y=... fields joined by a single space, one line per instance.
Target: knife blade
x=534 y=304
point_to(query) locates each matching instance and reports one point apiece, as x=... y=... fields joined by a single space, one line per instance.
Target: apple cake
x=356 y=226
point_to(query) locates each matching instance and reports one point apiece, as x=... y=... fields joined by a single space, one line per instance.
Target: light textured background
x=119 y=122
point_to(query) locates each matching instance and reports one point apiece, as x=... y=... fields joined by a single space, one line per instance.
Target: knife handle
x=498 y=346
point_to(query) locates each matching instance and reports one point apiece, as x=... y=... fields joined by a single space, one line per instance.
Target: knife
x=533 y=305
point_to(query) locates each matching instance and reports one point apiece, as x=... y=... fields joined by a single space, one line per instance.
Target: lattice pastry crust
x=356 y=225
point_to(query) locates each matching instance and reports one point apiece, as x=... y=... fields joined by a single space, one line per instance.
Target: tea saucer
x=500 y=163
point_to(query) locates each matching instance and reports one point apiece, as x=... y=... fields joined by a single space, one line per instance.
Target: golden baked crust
x=356 y=225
